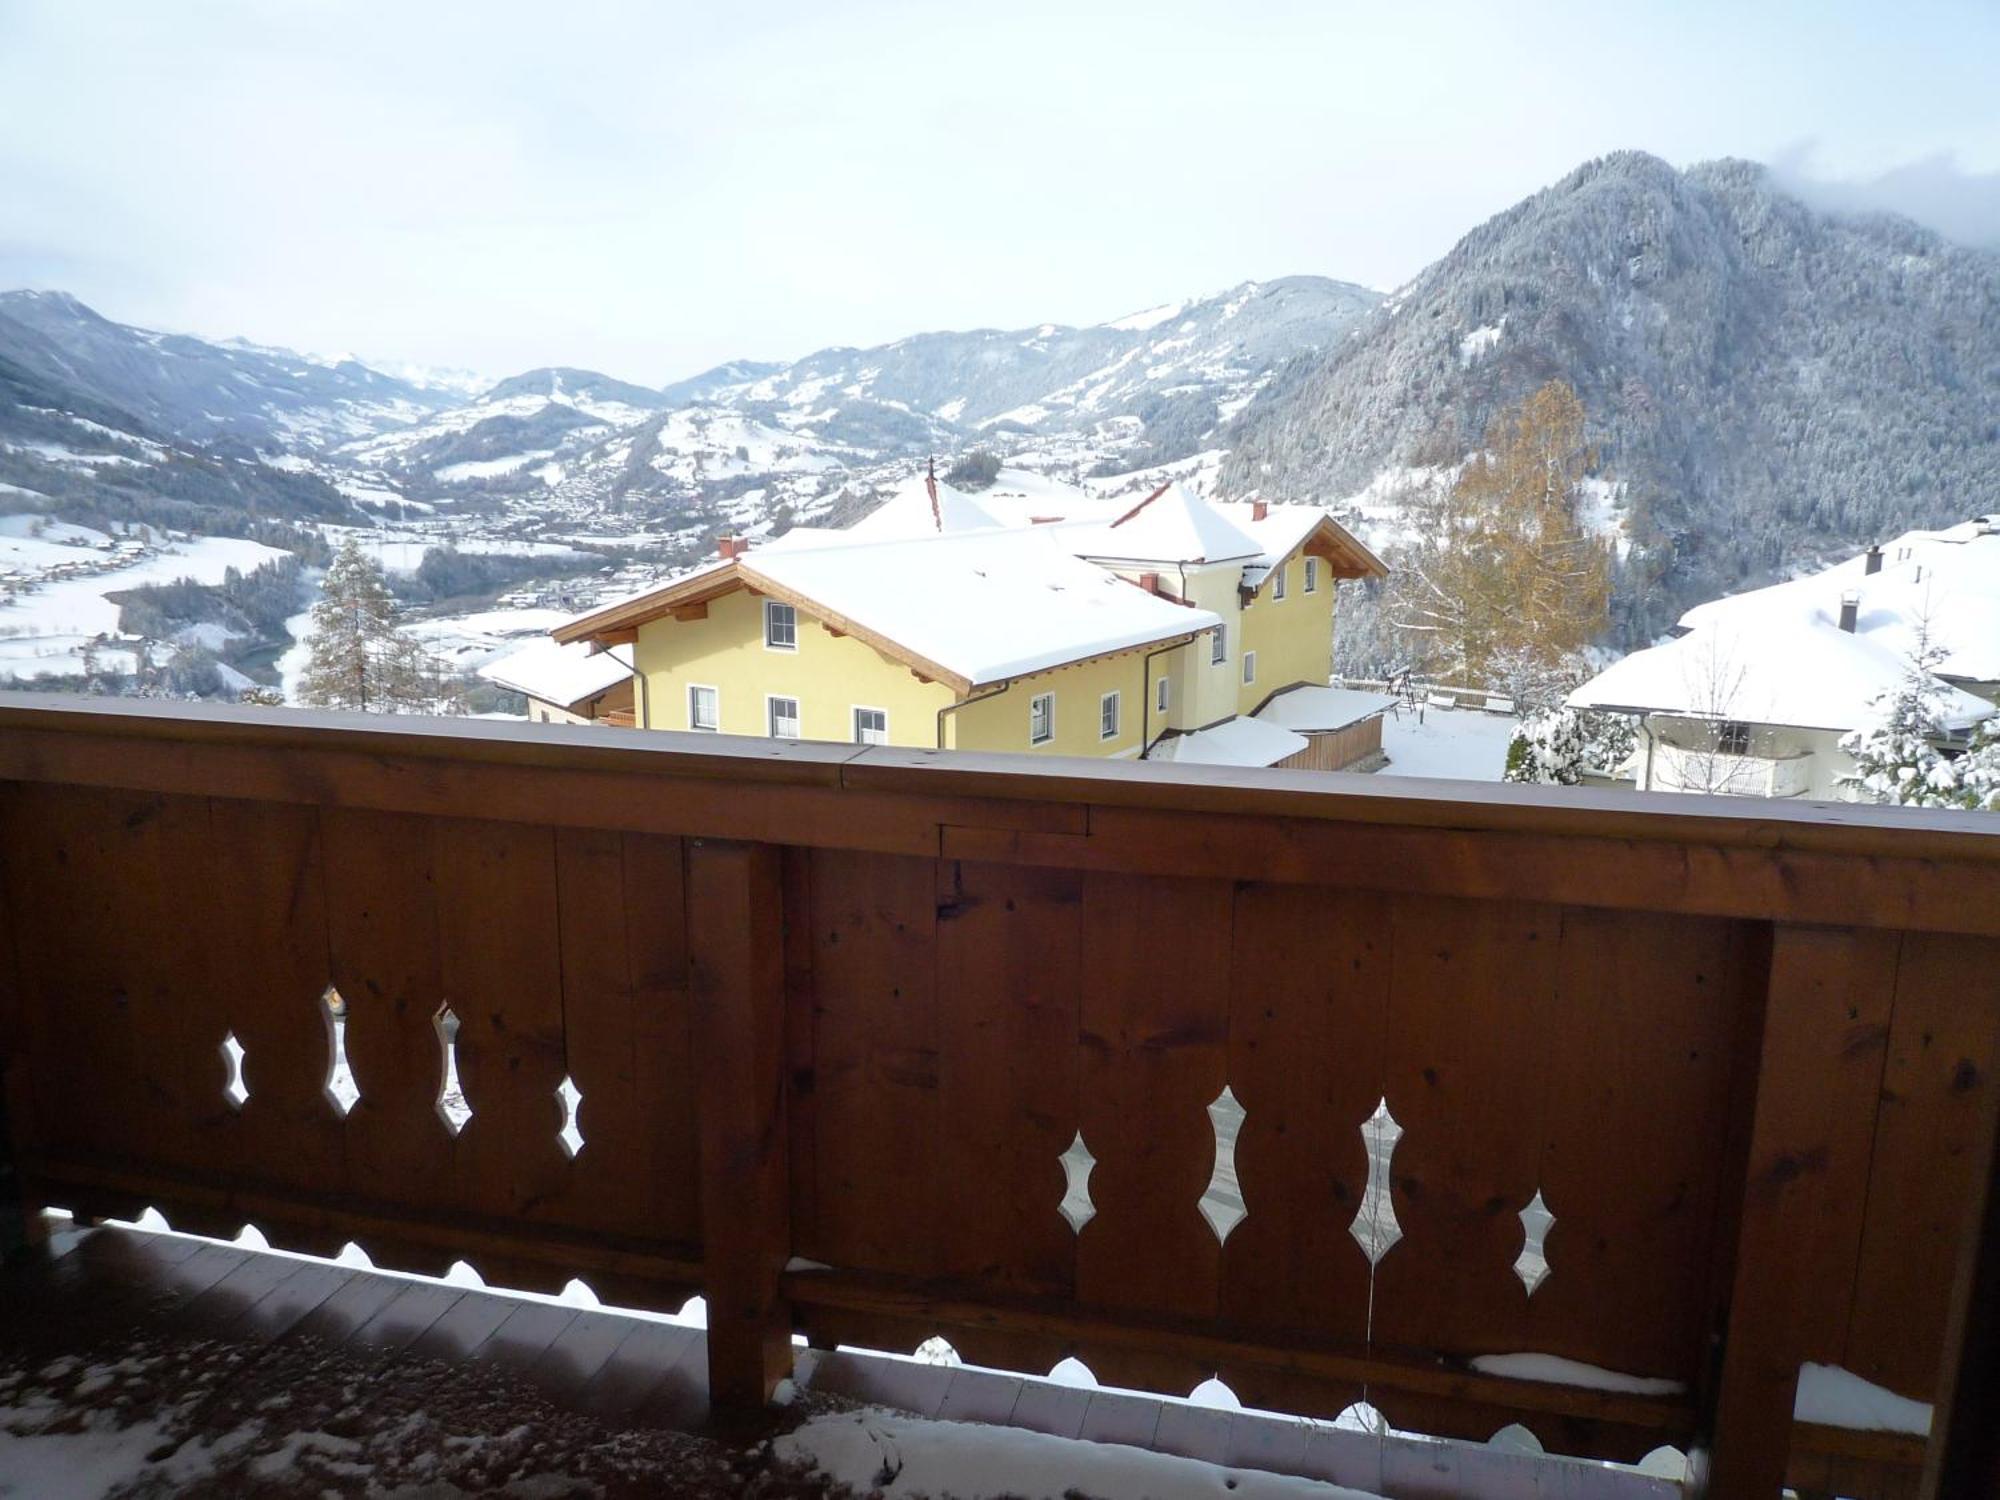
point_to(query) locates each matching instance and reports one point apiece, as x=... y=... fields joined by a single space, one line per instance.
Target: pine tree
x=360 y=660
x=1979 y=768
x=1897 y=759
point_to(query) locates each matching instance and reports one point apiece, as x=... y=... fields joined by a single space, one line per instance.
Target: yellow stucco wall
x=1002 y=722
x=830 y=676
x=1292 y=636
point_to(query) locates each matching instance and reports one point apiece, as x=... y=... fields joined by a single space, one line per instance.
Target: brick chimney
x=1259 y=510
x=1873 y=562
x=1150 y=582
x=1850 y=610
x=728 y=548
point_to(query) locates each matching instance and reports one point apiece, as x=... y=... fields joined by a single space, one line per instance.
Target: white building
x=1755 y=692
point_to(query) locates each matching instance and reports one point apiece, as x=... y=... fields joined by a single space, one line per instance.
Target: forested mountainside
x=1768 y=381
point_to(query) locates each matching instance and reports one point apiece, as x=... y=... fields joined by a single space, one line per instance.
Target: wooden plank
x=1155 y=1012
x=501 y=961
x=1472 y=989
x=1935 y=1086
x=1963 y=1456
x=1636 y=1075
x=875 y=1064
x=382 y=923
x=626 y=1036
x=801 y=1008
x=1009 y=949
x=735 y=925
x=1820 y=1055
x=1205 y=1343
x=267 y=930
x=1310 y=983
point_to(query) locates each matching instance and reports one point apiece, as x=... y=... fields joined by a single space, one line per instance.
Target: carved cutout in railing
x=340 y=1088
x=1375 y=1228
x=569 y=1097
x=451 y=1105
x=234 y=1089
x=1532 y=1265
x=1222 y=1204
x=1076 y=1205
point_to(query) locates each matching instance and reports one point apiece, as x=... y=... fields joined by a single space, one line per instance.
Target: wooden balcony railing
x=845 y=1020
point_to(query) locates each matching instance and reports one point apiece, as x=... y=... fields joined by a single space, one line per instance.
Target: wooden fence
x=879 y=1044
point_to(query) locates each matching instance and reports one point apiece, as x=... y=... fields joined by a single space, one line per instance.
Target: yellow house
x=935 y=624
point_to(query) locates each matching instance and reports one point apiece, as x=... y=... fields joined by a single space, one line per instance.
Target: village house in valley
x=1167 y=627
x=1755 y=692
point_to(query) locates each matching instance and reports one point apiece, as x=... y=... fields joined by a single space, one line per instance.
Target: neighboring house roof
x=559 y=674
x=1242 y=741
x=920 y=506
x=1757 y=670
x=970 y=609
x=1283 y=531
x=1940 y=585
x=1316 y=710
x=1168 y=526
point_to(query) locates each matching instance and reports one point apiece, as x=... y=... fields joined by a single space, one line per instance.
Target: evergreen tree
x=360 y=660
x=1897 y=759
x=1979 y=768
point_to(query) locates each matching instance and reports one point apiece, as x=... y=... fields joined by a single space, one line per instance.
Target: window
x=871 y=726
x=1249 y=667
x=704 y=709
x=1041 y=718
x=1312 y=575
x=1160 y=696
x=783 y=717
x=1218 y=646
x=1107 y=717
x=1732 y=739
x=781 y=626
x=1278 y=582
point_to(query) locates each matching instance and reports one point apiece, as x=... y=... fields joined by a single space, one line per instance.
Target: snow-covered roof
x=921 y=506
x=1763 y=668
x=1240 y=741
x=1944 y=585
x=1280 y=531
x=1168 y=526
x=1317 y=709
x=985 y=606
x=563 y=675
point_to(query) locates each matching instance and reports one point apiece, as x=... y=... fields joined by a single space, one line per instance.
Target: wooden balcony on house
x=1332 y=1087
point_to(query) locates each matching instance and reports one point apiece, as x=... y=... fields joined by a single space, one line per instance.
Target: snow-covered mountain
x=1768 y=383
x=189 y=388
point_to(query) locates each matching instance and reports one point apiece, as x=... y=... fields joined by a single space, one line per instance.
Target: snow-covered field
x=1455 y=743
x=45 y=627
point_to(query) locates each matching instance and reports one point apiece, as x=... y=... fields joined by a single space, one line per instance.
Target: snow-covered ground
x=46 y=626
x=1459 y=744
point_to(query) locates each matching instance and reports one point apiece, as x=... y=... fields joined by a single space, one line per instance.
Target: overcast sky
x=651 y=188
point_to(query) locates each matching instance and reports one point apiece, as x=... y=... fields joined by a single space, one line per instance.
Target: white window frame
x=1312 y=575
x=1042 y=707
x=1249 y=668
x=798 y=716
x=1113 y=701
x=1162 y=695
x=715 y=694
x=771 y=606
x=1218 y=646
x=1278 y=582
x=854 y=723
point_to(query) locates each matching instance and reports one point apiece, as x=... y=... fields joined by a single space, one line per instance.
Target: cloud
x=1933 y=190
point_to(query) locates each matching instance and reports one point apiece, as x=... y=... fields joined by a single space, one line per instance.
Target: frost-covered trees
x=360 y=660
x=1503 y=574
x=1897 y=759
x=1557 y=746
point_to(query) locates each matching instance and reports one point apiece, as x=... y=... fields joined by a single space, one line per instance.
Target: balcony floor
x=134 y=1363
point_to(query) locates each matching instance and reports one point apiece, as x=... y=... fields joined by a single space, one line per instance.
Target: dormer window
x=781 y=626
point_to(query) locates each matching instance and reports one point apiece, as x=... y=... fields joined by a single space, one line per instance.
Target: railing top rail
x=35 y=723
